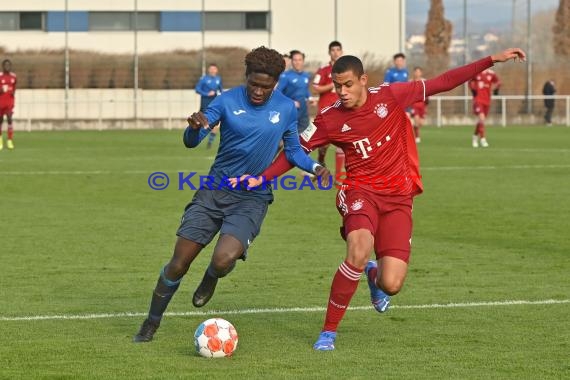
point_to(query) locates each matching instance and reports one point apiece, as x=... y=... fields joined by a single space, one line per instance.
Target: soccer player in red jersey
x=323 y=85
x=7 y=92
x=419 y=109
x=481 y=86
x=370 y=125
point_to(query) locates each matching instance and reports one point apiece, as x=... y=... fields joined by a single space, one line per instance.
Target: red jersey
x=377 y=137
x=323 y=77
x=482 y=84
x=377 y=140
x=7 y=88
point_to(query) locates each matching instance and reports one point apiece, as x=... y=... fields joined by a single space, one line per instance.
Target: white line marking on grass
x=516 y=167
x=279 y=310
x=84 y=172
x=171 y=172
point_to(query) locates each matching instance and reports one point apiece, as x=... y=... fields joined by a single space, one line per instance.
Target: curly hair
x=266 y=61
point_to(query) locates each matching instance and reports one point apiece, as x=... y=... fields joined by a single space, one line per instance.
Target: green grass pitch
x=82 y=235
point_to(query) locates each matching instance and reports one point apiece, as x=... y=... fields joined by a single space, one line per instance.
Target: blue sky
x=495 y=13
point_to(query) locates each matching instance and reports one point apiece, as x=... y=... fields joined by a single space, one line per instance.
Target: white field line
x=169 y=172
x=279 y=310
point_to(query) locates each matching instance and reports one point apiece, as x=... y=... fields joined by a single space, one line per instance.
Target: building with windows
x=363 y=26
x=374 y=28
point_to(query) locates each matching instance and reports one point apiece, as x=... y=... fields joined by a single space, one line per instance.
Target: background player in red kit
x=481 y=86
x=372 y=128
x=323 y=85
x=419 y=109
x=7 y=92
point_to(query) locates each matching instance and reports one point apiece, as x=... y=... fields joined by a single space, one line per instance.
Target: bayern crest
x=381 y=110
x=357 y=205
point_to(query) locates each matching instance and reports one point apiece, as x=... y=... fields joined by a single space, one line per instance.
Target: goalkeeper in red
x=371 y=127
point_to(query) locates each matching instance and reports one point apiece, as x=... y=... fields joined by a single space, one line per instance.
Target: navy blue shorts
x=213 y=211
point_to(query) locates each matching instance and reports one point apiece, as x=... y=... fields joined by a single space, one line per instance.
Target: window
x=236 y=21
x=109 y=21
x=8 y=20
x=256 y=21
x=31 y=21
x=223 y=21
x=21 y=21
x=147 y=21
x=113 y=21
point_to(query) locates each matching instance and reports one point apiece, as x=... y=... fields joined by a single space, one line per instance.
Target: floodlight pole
x=269 y=24
x=336 y=20
x=529 y=64
x=203 y=21
x=465 y=56
x=66 y=92
x=136 y=64
x=402 y=38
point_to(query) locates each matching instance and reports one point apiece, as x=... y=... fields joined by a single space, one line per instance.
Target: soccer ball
x=215 y=338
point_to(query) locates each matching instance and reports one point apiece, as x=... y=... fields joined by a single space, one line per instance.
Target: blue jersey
x=394 y=74
x=249 y=137
x=206 y=84
x=295 y=85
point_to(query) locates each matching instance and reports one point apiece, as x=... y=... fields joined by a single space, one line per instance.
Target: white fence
x=505 y=110
x=123 y=109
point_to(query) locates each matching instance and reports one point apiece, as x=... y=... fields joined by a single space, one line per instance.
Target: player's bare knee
x=176 y=269
x=359 y=248
x=357 y=257
x=391 y=286
x=223 y=263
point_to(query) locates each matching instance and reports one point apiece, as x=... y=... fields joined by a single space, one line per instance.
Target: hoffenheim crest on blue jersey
x=274 y=117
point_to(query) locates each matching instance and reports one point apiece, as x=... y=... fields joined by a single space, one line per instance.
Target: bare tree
x=438 y=37
x=561 y=29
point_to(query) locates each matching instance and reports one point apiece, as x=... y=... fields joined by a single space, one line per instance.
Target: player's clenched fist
x=198 y=120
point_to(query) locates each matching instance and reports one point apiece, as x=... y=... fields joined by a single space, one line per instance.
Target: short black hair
x=266 y=61
x=348 y=63
x=6 y=61
x=295 y=52
x=399 y=55
x=335 y=44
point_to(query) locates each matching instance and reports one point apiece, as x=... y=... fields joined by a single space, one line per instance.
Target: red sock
x=343 y=287
x=480 y=129
x=10 y=132
x=339 y=161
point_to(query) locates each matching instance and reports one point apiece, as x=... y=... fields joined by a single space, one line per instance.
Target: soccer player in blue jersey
x=254 y=119
x=209 y=86
x=294 y=84
x=398 y=72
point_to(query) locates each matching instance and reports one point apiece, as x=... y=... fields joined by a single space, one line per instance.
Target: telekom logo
x=363 y=146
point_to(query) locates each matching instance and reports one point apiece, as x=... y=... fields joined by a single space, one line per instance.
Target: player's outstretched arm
x=508 y=54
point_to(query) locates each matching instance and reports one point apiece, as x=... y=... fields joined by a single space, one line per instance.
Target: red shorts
x=6 y=109
x=388 y=218
x=419 y=110
x=480 y=108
